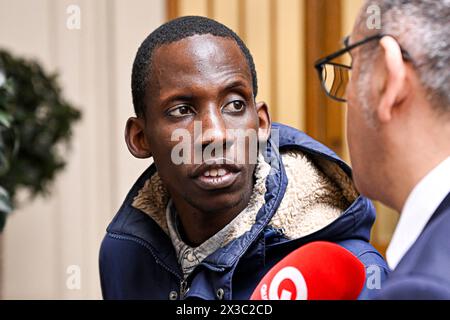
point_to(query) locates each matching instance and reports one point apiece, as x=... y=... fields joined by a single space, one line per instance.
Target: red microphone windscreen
x=316 y=271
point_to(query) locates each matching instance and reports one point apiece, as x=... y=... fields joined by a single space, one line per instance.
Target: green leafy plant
x=34 y=120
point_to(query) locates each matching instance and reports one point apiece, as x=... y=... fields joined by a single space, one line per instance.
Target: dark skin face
x=201 y=78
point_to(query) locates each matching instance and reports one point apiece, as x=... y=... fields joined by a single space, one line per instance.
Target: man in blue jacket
x=399 y=133
x=213 y=213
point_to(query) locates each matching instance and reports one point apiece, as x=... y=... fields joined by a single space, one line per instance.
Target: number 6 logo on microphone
x=287 y=284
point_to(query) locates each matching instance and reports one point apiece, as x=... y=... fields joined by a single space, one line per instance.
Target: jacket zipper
x=183 y=289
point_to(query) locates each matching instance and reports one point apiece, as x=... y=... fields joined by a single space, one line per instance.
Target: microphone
x=316 y=271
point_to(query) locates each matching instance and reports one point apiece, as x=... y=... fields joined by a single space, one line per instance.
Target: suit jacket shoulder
x=424 y=272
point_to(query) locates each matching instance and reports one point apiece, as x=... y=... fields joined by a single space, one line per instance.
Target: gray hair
x=422 y=28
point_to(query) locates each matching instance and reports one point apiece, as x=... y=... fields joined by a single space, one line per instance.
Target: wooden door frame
x=324 y=117
x=172 y=9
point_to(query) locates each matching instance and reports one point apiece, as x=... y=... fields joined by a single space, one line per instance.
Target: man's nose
x=213 y=126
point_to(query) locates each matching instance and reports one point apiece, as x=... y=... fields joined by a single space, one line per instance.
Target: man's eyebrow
x=178 y=97
x=235 y=84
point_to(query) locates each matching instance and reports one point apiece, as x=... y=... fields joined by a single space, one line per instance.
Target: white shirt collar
x=420 y=205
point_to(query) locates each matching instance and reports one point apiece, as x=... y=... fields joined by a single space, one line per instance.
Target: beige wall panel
x=193 y=7
x=44 y=237
x=227 y=12
x=257 y=31
x=131 y=25
x=290 y=64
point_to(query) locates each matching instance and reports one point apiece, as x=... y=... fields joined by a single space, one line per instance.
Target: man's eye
x=234 y=106
x=180 y=111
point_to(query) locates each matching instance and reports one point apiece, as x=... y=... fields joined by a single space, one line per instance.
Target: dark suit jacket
x=424 y=272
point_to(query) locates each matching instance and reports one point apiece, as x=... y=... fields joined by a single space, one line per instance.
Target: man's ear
x=264 y=121
x=393 y=89
x=135 y=138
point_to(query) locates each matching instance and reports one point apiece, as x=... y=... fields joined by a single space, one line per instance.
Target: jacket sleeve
x=415 y=287
x=377 y=270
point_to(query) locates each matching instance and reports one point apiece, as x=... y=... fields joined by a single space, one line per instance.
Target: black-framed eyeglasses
x=334 y=77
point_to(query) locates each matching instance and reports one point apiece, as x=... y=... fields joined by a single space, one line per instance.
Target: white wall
x=46 y=236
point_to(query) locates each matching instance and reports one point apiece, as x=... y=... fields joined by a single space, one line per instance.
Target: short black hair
x=173 y=31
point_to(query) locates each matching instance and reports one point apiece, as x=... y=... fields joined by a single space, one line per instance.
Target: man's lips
x=218 y=182
x=215 y=167
x=214 y=175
